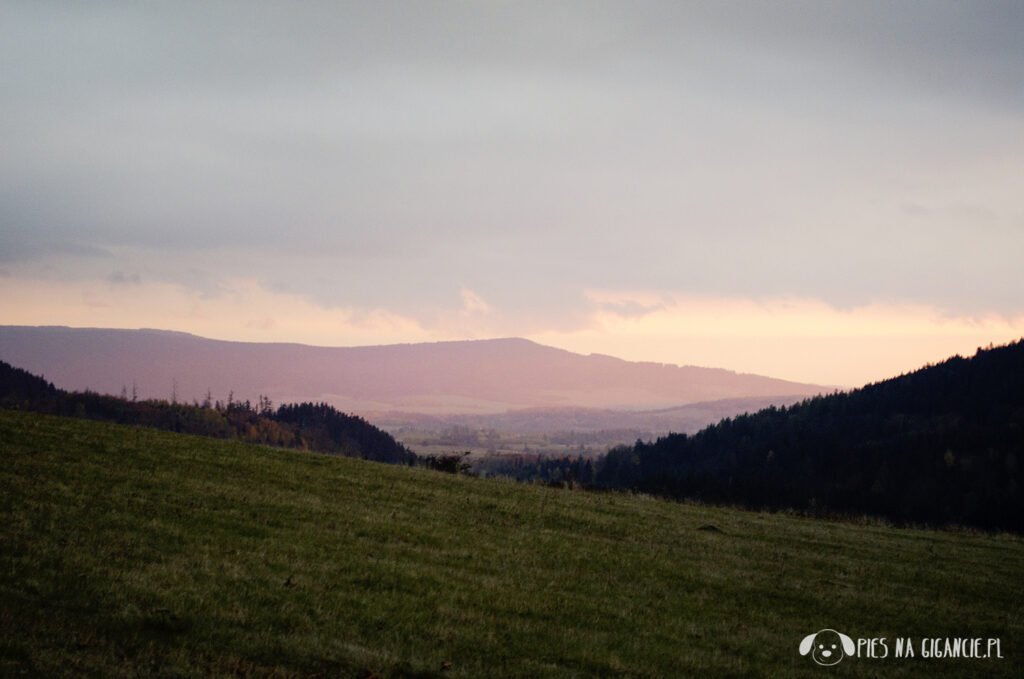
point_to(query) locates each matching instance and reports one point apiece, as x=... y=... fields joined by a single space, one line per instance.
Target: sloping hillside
x=488 y=376
x=944 y=444
x=131 y=552
x=306 y=426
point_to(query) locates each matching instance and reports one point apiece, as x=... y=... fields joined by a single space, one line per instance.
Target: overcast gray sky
x=463 y=169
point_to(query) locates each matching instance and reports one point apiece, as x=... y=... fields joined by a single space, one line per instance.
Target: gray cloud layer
x=387 y=153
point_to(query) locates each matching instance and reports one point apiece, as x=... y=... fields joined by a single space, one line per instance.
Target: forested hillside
x=942 y=445
x=305 y=426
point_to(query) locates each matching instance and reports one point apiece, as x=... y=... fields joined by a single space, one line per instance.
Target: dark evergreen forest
x=940 y=446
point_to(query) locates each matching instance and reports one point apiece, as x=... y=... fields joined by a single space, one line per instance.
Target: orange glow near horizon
x=796 y=339
x=241 y=311
x=804 y=340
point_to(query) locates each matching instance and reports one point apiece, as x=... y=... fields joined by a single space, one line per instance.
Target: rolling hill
x=131 y=552
x=481 y=377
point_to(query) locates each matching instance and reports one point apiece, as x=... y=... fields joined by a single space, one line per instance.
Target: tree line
x=304 y=426
x=943 y=446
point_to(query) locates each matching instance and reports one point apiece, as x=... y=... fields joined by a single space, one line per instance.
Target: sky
x=828 y=192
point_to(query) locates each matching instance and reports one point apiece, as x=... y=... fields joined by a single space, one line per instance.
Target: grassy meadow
x=129 y=552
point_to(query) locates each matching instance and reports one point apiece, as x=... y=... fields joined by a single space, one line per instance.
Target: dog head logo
x=827 y=646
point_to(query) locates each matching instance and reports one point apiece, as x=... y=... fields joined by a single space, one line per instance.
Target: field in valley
x=131 y=552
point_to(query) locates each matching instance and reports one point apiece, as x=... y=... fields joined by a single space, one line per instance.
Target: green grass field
x=129 y=552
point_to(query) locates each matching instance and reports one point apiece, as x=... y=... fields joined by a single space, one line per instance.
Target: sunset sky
x=829 y=192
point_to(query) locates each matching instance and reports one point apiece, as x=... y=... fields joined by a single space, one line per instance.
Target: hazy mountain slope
x=689 y=418
x=487 y=376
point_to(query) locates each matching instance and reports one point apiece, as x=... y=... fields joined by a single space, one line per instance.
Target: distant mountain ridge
x=481 y=376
